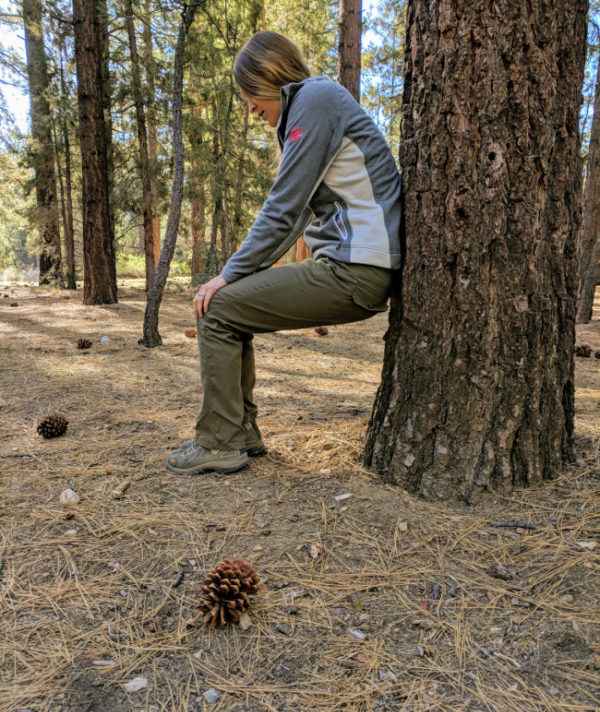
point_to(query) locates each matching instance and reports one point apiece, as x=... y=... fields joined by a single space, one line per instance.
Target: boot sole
x=256 y=450
x=206 y=468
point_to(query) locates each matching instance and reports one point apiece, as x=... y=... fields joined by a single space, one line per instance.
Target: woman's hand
x=205 y=294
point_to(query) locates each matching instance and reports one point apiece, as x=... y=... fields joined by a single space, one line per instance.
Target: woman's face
x=269 y=110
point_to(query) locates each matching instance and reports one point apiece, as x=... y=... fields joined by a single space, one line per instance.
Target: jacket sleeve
x=313 y=136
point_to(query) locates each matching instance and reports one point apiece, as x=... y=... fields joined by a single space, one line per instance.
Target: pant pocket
x=372 y=290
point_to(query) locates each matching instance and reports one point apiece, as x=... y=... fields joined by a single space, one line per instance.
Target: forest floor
x=375 y=600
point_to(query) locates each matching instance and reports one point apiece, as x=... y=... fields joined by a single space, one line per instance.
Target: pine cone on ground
x=583 y=350
x=83 y=343
x=226 y=590
x=597 y=354
x=322 y=330
x=53 y=426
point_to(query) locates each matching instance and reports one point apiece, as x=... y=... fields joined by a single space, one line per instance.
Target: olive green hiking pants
x=296 y=296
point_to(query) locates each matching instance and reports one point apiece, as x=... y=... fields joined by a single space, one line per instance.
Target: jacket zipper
x=339 y=221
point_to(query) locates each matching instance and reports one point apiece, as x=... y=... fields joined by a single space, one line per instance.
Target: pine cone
x=583 y=350
x=322 y=330
x=83 y=343
x=597 y=354
x=53 y=426
x=226 y=590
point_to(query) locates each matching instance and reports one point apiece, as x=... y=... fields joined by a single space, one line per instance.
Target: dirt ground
x=375 y=600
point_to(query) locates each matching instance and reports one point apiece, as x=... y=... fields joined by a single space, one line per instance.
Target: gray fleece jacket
x=335 y=166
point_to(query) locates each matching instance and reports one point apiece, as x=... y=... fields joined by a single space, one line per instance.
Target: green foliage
x=383 y=69
x=133 y=266
x=18 y=242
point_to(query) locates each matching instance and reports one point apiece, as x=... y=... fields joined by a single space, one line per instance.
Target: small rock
x=283 y=629
x=211 y=696
x=342 y=497
x=103 y=663
x=104 y=340
x=245 y=621
x=69 y=497
x=355 y=633
x=138 y=683
x=364 y=618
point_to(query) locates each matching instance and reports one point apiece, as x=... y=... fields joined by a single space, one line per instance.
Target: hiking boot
x=254 y=442
x=192 y=459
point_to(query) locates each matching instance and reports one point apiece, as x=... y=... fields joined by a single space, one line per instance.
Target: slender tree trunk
x=99 y=275
x=151 y=121
x=43 y=147
x=138 y=100
x=197 y=196
x=477 y=389
x=589 y=244
x=198 y=232
x=239 y=187
x=67 y=198
x=151 y=336
x=350 y=30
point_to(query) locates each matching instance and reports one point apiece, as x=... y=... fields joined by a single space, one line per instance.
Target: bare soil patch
x=407 y=606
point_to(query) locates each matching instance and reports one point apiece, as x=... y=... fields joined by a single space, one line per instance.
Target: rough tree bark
x=350 y=30
x=42 y=149
x=151 y=337
x=67 y=199
x=589 y=243
x=477 y=387
x=99 y=274
x=142 y=136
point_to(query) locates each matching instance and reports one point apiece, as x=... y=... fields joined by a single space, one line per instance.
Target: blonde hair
x=267 y=62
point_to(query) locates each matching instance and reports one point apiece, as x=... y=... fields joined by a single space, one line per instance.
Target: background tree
x=350 y=31
x=383 y=70
x=151 y=337
x=477 y=386
x=148 y=193
x=42 y=146
x=99 y=280
x=589 y=243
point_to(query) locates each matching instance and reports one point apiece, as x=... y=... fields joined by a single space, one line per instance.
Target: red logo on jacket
x=296 y=134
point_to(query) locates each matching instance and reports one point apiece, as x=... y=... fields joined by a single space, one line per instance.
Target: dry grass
x=440 y=632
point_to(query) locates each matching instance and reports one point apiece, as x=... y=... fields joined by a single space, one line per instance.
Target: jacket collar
x=288 y=92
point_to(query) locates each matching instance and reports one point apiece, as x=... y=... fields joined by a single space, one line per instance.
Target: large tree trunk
x=42 y=150
x=350 y=30
x=589 y=244
x=477 y=388
x=145 y=171
x=99 y=274
x=151 y=337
